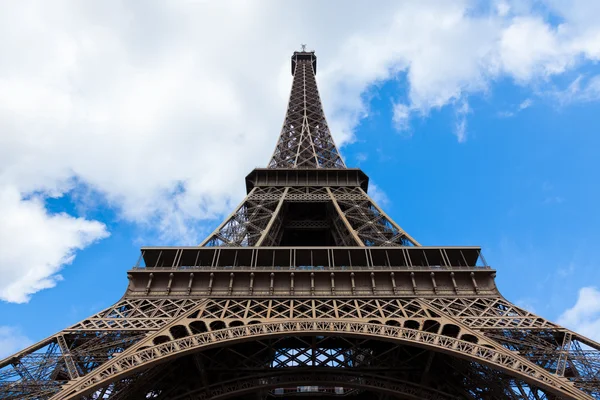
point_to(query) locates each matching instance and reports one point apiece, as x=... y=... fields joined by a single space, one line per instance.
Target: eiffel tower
x=308 y=289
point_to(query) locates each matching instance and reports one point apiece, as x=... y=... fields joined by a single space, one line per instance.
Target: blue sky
x=477 y=126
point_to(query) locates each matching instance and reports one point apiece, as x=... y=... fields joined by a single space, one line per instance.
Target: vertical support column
x=150 y=277
x=373 y=286
x=230 y=289
x=332 y=283
x=210 y=282
x=251 y=283
x=170 y=283
x=393 y=282
x=474 y=282
x=454 y=282
x=434 y=283
x=190 y=282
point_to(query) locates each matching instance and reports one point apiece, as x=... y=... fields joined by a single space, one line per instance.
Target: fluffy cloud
x=582 y=89
x=158 y=109
x=584 y=316
x=12 y=340
x=39 y=244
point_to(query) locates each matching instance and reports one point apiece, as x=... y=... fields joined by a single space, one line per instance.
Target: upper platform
x=296 y=177
x=304 y=55
x=314 y=272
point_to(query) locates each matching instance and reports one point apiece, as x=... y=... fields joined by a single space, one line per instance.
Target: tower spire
x=305 y=140
x=307 y=196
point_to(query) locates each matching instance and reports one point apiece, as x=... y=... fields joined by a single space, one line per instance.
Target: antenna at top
x=303 y=47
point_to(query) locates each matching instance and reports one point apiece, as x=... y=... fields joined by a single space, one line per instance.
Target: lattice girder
x=373 y=316
x=305 y=140
x=497 y=358
x=172 y=341
x=352 y=217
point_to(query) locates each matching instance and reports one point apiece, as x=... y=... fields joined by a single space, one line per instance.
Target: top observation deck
x=302 y=56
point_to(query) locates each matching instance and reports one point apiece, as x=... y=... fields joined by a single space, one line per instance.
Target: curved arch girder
x=496 y=358
x=346 y=379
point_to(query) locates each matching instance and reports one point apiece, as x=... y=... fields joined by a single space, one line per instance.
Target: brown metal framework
x=308 y=288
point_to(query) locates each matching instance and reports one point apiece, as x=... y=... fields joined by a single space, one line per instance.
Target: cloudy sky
x=129 y=123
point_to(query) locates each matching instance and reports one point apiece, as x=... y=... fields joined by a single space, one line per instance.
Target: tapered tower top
x=305 y=140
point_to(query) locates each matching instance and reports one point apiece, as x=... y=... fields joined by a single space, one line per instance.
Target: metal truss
x=339 y=383
x=246 y=225
x=166 y=347
x=308 y=288
x=305 y=140
x=489 y=313
x=369 y=223
x=536 y=360
x=352 y=217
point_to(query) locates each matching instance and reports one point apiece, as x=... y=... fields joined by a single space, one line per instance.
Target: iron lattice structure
x=308 y=288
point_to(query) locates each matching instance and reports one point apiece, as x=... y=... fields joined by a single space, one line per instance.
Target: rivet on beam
x=170 y=283
x=149 y=282
x=312 y=283
x=353 y=284
x=210 y=282
x=272 y=280
x=454 y=282
x=251 y=282
x=474 y=282
x=332 y=283
x=292 y=283
x=373 y=283
x=189 y=290
x=231 y=276
x=393 y=279
x=414 y=284
x=435 y=289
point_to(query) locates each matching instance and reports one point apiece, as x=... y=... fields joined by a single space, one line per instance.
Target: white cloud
x=580 y=90
x=378 y=195
x=502 y=8
x=12 y=340
x=530 y=48
x=35 y=244
x=460 y=129
x=584 y=316
x=160 y=108
x=361 y=157
x=525 y=104
x=401 y=116
x=526 y=304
